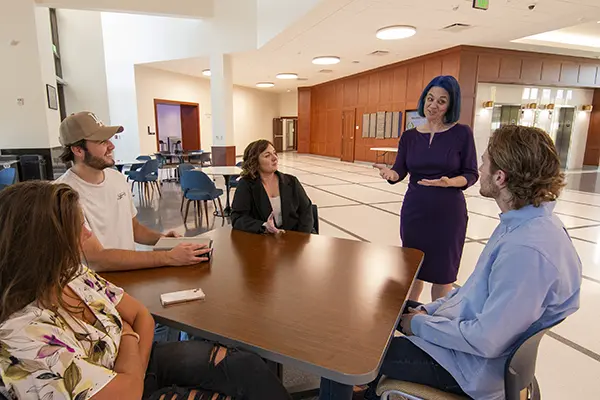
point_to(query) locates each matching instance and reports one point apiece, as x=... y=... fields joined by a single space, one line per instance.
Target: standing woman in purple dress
x=441 y=159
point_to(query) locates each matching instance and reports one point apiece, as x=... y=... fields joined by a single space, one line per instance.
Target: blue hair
x=450 y=85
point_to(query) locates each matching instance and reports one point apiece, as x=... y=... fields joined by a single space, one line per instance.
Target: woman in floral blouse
x=66 y=333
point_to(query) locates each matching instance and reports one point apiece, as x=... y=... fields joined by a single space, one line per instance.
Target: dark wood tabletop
x=323 y=304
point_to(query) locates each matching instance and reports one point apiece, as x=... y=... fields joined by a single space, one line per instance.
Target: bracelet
x=135 y=335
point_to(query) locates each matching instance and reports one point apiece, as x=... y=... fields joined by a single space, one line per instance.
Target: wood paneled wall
x=592 y=145
x=397 y=87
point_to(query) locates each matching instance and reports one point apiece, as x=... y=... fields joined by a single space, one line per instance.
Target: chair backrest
x=519 y=371
x=8 y=176
x=196 y=180
x=143 y=158
x=315 y=213
x=239 y=165
x=149 y=167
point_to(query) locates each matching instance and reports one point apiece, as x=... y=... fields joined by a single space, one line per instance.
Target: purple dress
x=434 y=219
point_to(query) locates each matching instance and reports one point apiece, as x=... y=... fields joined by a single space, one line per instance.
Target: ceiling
x=346 y=28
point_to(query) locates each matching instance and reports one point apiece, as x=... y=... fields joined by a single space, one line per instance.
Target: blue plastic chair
x=8 y=176
x=180 y=170
x=143 y=158
x=147 y=176
x=234 y=179
x=197 y=187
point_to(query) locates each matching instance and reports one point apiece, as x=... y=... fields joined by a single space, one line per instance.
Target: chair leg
x=187 y=209
x=158 y=188
x=182 y=200
x=221 y=207
x=206 y=211
x=132 y=184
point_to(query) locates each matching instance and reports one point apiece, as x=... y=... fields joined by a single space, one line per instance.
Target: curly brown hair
x=530 y=161
x=250 y=164
x=39 y=244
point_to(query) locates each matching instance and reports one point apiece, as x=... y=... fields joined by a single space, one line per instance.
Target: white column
x=221 y=95
x=28 y=65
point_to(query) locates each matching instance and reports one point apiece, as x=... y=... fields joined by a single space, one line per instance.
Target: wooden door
x=190 y=127
x=278 y=134
x=348 y=132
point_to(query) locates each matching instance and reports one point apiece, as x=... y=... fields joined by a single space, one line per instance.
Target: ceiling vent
x=455 y=28
x=302 y=79
x=326 y=71
x=379 y=53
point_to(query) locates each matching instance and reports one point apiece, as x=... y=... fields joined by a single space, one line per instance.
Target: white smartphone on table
x=182 y=296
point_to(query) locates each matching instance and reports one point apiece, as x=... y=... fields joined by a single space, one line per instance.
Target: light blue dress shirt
x=527 y=277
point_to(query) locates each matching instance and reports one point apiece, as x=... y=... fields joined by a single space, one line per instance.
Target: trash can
x=10 y=162
x=33 y=166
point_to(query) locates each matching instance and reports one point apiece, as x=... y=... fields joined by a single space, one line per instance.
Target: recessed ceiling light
x=396 y=32
x=286 y=75
x=206 y=72
x=326 y=60
x=265 y=84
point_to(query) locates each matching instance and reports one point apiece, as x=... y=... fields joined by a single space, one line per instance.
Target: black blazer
x=251 y=205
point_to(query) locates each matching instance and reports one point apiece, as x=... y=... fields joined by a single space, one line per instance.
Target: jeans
x=177 y=367
x=405 y=361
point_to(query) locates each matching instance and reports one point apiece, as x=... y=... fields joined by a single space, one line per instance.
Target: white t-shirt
x=276 y=206
x=108 y=208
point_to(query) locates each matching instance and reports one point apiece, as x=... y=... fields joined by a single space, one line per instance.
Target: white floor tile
x=583 y=326
x=483 y=206
x=573 y=222
x=326 y=229
x=391 y=207
x=480 y=227
x=579 y=197
x=316 y=180
x=590 y=258
x=353 y=177
x=364 y=194
x=575 y=209
x=591 y=234
x=564 y=373
x=322 y=199
x=371 y=224
x=399 y=188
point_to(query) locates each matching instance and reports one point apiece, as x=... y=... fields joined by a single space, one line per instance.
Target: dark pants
x=405 y=361
x=190 y=365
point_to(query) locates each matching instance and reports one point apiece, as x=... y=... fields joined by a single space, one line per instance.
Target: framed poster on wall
x=413 y=120
x=380 y=132
x=372 y=124
x=396 y=123
x=388 y=124
x=365 y=125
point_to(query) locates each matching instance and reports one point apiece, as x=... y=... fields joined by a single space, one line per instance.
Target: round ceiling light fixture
x=396 y=32
x=206 y=72
x=265 y=84
x=286 y=75
x=326 y=60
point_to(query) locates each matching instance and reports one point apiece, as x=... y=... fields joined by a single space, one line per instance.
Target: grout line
x=574 y=345
x=590 y=279
x=344 y=230
x=584 y=226
x=582 y=240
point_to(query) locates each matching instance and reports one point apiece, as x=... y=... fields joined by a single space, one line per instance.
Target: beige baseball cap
x=85 y=125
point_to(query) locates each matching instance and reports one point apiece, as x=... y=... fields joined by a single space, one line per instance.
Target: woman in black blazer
x=266 y=200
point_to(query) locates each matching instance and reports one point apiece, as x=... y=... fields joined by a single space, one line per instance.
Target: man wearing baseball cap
x=107 y=202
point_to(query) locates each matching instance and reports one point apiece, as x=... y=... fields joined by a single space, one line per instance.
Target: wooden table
x=227 y=173
x=384 y=151
x=322 y=304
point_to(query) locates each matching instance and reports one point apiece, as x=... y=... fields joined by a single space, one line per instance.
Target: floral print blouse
x=52 y=356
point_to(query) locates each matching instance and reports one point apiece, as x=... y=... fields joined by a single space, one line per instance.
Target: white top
x=276 y=206
x=221 y=170
x=108 y=208
x=390 y=149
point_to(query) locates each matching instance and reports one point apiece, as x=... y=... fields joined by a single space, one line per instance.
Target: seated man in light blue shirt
x=527 y=277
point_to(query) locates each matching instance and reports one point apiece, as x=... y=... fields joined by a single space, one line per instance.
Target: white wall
x=513 y=94
x=253 y=110
x=288 y=104
x=83 y=64
x=169 y=121
x=131 y=39
x=26 y=67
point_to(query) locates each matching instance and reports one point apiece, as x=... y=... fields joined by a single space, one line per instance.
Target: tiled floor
x=355 y=204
